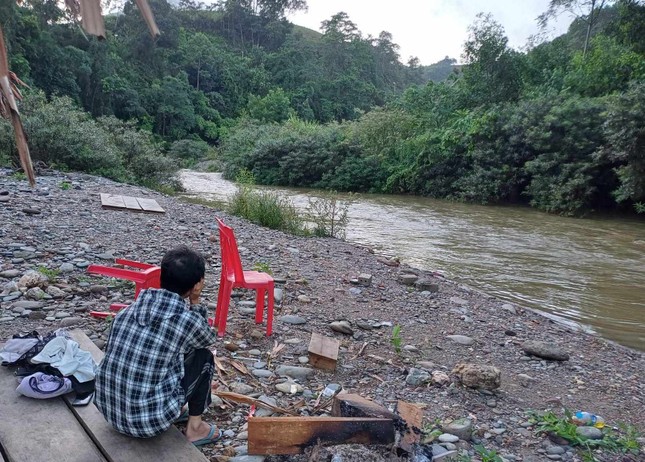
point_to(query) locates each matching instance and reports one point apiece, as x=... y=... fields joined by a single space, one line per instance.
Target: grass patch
x=619 y=439
x=265 y=208
x=50 y=273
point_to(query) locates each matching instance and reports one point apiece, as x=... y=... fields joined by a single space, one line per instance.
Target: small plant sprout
x=396 y=338
x=263 y=267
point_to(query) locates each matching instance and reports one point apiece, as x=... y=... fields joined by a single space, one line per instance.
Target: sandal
x=211 y=438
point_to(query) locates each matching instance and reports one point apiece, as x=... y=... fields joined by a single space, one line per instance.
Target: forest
x=559 y=125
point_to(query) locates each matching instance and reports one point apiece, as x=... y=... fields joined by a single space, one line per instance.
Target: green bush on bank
x=63 y=136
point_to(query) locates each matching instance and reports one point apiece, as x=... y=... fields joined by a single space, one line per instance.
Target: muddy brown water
x=587 y=271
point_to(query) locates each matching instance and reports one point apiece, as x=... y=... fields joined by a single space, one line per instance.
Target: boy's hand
x=195 y=292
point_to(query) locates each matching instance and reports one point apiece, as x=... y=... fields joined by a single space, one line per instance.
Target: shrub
x=266 y=208
x=65 y=137
x=188 y=152
x=328 y=213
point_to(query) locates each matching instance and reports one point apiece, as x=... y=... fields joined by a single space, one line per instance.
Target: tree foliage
x=550 y=128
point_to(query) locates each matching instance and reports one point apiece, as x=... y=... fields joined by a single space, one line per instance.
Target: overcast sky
x=430 y=29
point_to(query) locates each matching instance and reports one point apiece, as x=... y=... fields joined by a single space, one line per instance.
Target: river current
x=587 y=271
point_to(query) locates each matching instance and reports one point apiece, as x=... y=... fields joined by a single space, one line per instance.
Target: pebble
x=292 y=319
x=295 y=372
x=545 y=350
x=591 y=433
x=12 y=273
x=290 y=388
x=342 y=327
x=448 y=438
x=241 y=388
x=461 y=339
x=417 y=377
x=462 y=428
x=71 y=321
x=247 y=458
x=262 y=373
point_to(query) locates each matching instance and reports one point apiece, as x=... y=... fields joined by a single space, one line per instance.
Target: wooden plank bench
x=53 y=429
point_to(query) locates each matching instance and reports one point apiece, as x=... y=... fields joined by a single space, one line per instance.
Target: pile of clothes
x=50 y=365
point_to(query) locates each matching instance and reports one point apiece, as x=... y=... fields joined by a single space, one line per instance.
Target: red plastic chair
x=234 y=276
x=147 y=278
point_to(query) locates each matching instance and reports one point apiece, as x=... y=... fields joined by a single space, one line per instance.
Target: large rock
x=33 y=279
x=478 y=376
x=545 y=350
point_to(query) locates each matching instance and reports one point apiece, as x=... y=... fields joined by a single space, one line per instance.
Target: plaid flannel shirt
x=138 y=383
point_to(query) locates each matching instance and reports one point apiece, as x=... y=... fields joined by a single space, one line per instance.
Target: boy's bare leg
x=196 y=428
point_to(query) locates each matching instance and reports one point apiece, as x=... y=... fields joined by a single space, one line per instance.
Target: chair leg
x=271 y=290
x=223 y=308
x=259 y=305
x=220 y=298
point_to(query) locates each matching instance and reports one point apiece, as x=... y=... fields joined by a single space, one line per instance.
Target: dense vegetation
x=555 y=127
x=210 y=67
x=559 y=127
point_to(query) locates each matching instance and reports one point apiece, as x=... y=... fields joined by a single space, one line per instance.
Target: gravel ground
x=59 y=228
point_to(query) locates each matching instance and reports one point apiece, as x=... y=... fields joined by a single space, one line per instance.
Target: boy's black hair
x=181 y=269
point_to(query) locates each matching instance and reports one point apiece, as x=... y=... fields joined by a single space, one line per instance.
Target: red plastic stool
x=147 y=278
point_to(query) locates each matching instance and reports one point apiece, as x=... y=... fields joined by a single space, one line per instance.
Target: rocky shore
x=477 y=366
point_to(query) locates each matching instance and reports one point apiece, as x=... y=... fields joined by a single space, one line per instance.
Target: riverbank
x=62 y=229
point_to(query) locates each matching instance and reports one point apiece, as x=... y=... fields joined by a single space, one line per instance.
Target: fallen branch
x=251 y=401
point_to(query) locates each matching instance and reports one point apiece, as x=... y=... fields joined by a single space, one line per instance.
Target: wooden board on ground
x=323 y=351
x=352 y=405
x=291 y=435
x=112 y=201
x=131 y=203
x=413 y=417
x=136 y=204
x=40 y=430
x=150 y=205
x=171 y=446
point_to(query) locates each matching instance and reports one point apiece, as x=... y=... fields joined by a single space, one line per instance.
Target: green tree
x=587 y=10
x=491 y=72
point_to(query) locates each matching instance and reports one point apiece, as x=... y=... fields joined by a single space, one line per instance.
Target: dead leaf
x=239 y=366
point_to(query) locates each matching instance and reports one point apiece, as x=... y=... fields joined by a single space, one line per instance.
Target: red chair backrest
x=231 y=262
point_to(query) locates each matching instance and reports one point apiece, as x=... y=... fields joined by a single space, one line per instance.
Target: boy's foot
x=213 y=435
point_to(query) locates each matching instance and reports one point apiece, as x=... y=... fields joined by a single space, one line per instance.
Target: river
x=587 y=271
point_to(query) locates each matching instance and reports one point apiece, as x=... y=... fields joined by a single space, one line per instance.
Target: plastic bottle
x=588 y=419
